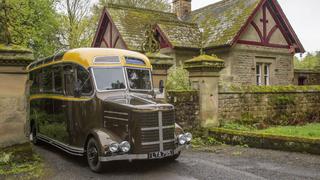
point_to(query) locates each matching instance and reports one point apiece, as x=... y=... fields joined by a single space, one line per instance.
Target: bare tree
x=75 y=16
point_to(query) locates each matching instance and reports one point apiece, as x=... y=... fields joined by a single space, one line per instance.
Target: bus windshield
x=109 y=78
x=114 y=79
x=139 y=79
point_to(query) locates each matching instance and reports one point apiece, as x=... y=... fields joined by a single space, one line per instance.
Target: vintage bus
x=99 y=103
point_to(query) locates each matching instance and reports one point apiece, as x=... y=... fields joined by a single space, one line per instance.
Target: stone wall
x=186 y=107
x=306 y=77
x=270 y=108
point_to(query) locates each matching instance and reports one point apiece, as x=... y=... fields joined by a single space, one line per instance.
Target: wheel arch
x=103 y=138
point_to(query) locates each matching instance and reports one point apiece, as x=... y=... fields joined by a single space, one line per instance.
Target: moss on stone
x=223 y=20
x=206 y=58
x=13 y=48
x=275 y=89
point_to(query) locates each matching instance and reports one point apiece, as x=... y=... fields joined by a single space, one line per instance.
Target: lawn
x=306 y=131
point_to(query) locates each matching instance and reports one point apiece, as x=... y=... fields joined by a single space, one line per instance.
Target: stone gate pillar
x=13 y=104
x=204 y=76
x=160 y=65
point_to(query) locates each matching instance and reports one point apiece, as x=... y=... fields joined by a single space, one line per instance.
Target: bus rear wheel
x=93 y=155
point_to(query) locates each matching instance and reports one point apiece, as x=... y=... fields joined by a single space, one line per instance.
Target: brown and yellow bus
x=99 y=103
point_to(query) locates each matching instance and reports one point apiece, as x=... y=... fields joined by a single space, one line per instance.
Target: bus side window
x=47 y=82
x=34 y=77
x=83 y=78
x=69 y=80
x=57 y=78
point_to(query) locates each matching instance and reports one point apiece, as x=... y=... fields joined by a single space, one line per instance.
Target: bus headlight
x=114 y=147
x=125 y=146
x=188 y=136
x=182 y=139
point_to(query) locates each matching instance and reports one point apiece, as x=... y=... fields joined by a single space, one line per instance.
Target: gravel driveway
x=218 y=162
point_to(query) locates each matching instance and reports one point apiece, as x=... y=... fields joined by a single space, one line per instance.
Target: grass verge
x=306 y=131
x=20 y=162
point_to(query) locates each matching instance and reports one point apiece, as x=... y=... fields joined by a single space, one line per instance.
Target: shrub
x=178 y=79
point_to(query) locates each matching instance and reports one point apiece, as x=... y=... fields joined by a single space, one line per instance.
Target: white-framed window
x=262 y=74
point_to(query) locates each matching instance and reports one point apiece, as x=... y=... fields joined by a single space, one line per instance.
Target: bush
x=178 y=79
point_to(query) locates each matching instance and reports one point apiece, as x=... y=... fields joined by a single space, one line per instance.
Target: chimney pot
x=181 y=7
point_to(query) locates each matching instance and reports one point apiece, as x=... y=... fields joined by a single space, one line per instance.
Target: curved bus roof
x=86 y=58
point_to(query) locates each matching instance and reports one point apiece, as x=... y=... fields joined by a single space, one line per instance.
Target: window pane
x=108 y=59
x=68 y=80
x=258 y=74
x=109 y=78
x=57 y=80
x=47 y=80
x=34 y=77
x=135 y=61
x=83 y=78
x=139 y=79
x=258 y=69
x=266 y=69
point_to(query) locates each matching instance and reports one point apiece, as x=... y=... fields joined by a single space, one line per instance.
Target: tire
x=33 y=135
x=93 y=155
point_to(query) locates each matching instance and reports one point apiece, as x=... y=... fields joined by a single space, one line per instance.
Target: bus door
x=68 y=104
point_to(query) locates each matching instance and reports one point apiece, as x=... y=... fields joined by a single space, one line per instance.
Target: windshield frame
x=106 y=67
x=150 y=76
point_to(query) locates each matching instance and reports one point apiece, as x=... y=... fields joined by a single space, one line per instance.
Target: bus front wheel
x=93 y=155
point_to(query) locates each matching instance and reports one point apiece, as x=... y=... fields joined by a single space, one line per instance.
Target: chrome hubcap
x=93 y=155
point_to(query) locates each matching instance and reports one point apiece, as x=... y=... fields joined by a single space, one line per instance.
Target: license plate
x=162 y=154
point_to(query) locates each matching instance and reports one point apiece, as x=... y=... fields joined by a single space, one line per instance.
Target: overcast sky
x=303 y=15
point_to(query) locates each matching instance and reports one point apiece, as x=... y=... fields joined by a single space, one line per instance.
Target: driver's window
x=84 y=81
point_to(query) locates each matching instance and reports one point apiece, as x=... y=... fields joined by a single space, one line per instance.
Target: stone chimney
x=181 y=7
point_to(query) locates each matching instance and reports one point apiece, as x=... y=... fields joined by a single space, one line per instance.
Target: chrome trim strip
x=135 y=156
x=156 y=128
x=113 y=112
x=160 y=130
x=115 y=118
x=124 y=157
x=157 y=142
x=69 y=149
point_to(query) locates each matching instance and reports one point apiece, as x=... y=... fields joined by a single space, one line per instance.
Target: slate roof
x=221 y=23
x=131 y=23
x=181 y=34
x=223 y=20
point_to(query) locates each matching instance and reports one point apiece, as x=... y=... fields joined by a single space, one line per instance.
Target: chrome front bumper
x=131 y=157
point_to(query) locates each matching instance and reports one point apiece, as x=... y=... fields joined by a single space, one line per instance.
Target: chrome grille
x=156 y=131
x=112 y=118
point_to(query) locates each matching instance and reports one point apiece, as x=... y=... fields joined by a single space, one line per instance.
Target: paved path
x=219 y=162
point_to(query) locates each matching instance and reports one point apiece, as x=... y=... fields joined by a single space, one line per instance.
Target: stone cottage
x=253 y=37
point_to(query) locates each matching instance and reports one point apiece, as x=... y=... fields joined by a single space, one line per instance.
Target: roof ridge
x=111 y=5
x=179 y=22
x=213 y=4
